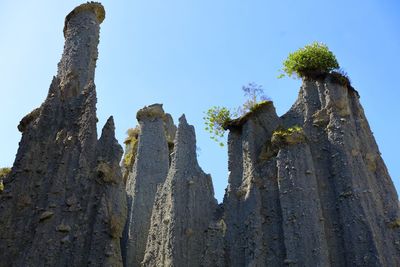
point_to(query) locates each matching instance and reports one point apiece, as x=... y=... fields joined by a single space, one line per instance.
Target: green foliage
x=289 y=136
x=395 y=223
x=313 y=58
x=3 y=174
x=131 y=143
x=288 y=131
x=215 y=120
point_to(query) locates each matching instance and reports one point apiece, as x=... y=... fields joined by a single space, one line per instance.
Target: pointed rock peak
x=108 y=146
x=185 y=146
x=95 y=7
x=108 y=129
x=150 y=112
x=182 y=120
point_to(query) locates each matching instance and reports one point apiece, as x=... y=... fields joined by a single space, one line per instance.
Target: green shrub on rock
x=312 y=59
x=218 y=118
x=3 y=174
x=215 y=120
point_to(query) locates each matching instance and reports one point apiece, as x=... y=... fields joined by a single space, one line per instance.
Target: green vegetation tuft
x=289 y=136
x=311 y=59
x=395 y=223
x=288 y=131
x=217 y=118
x=131 y=143
x=3 y=174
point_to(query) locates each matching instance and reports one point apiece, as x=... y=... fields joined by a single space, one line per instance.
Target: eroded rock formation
x=64 y=201
x=183 y=209
x=317 y=196
x=308 y=188
x=149 y=171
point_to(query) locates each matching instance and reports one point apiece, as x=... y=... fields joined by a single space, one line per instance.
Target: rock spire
x=64 y=202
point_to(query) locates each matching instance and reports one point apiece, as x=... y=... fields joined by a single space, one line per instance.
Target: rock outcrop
x=308 y=188
x=64 y=201
x=183 y=209
x=149 y=171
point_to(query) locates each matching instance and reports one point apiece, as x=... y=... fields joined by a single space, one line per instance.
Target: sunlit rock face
x=64 y=202
x=308 y=188
x=319 y=196
x=147 y=174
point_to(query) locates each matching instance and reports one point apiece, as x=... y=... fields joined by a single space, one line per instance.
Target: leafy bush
x=313 y=58
x=217 y=118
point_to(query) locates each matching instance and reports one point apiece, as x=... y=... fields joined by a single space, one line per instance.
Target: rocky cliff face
x=64 y=203
x=315 y=192
x=308 y=188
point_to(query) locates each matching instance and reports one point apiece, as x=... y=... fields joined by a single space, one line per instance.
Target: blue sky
x=191 y=55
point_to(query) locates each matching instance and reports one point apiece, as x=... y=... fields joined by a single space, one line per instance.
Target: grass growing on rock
x=4 y=172
x=289 y=136
x=131 y=143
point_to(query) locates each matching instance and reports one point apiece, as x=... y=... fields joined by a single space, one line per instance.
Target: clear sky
x=191 y=55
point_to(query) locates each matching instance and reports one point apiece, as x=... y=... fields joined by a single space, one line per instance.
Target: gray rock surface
x=64 y=202
x=318 y=197
x=149 y=171
x=183 y=209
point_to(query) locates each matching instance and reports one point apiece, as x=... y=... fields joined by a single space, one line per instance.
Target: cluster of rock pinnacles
x=323 y=198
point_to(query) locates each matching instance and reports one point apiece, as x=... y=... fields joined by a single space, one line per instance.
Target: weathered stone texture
x=324 y=199
x=64 y=202
x=149 y=171
x=183 y=209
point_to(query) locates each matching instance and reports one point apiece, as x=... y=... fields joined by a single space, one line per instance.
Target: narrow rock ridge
x=150 y=170
x=64 y=202
x=183 y=209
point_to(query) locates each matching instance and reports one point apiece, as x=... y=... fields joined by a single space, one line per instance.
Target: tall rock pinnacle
x=78 y=62
x=183 y=208
x=64 y=202
x=149 y=171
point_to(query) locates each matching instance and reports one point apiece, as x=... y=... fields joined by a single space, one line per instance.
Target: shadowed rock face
x=64 y=202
